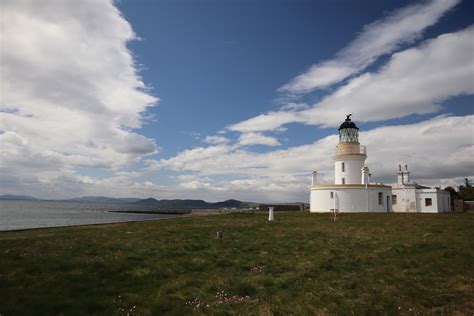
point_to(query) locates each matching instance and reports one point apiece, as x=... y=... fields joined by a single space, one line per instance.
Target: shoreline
x=94 y=224
x=167 y=216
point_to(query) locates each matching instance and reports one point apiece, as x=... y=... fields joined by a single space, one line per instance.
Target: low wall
x=282 y=207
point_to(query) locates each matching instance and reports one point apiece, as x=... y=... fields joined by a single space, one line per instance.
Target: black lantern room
x=348 y=131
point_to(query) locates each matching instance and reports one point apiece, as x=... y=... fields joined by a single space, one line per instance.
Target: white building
x=353 y=191
x=408 y=196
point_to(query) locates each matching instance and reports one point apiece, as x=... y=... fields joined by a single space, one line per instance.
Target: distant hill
x=102 y=200
x=191 y=204
x=234 y=203
x=17 y=197
x=152 y=203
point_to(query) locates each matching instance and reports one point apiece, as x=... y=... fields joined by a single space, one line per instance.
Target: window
x=380 y=198
x=394 y=199
x=349 y=135
x=343 y=167
x=428 y=202
x=332 y=195
x=343 y=180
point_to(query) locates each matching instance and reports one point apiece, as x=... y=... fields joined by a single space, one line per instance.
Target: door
x=388 y=203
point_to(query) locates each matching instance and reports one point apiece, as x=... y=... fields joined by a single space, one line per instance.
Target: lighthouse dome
x=348 y=131
x=348 y=123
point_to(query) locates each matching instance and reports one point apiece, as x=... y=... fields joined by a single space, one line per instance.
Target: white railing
x=350 y=149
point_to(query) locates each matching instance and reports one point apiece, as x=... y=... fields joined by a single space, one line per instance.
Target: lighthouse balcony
x=349 y=149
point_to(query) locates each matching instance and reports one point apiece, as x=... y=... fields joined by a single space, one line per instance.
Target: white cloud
x=70 y=92
x=257 y=139
x=216 y=139
x=378 y=38
x=266 y=122
x=439 y=150
x=414 y=81
x=291 y=106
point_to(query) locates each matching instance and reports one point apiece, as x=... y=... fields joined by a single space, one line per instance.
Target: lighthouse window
x=394 y=199
x=332 y=195
x=349 y=135
x=343 y=167
x=428 y=202
x=380 y=198
x=343 y=180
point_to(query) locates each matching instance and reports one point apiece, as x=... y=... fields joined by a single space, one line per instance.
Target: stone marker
x=270 y=214
x=219 y=235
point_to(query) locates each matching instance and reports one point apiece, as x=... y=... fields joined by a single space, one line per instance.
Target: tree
x=453 y=193
x=466 y=191
x=467 y=182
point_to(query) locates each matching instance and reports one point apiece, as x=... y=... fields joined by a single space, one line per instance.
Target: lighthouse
x=352 y=190
x=349 y=156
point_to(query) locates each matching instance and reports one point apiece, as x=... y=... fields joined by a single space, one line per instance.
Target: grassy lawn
x=300 y=264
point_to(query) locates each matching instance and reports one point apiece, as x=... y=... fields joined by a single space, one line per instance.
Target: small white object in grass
x=270 y=213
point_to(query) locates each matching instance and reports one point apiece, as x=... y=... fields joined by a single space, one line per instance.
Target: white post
x=334 y=212
x=314 y=178
x=365 y=175
x=270 y=213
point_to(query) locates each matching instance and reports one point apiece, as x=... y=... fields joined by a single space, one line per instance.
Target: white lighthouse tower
x=352 y=190
x=349 y=156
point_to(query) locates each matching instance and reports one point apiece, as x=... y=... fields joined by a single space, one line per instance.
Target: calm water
x=34 y=214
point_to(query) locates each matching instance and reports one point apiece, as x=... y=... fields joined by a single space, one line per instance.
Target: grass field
x=300 y=264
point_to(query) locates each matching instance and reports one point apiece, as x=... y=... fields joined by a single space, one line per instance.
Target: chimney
x=365 y=175
x=314 y=178
x=400 y=178
x=406 y=174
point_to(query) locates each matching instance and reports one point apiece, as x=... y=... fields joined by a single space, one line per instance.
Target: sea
x=16 y=215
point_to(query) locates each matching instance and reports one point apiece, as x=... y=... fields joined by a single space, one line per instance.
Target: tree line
x=464 y=192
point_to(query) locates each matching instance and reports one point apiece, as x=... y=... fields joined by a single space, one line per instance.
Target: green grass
x=300 y=264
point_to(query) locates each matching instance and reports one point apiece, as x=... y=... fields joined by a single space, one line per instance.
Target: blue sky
x=228 y=58
x=230 y=99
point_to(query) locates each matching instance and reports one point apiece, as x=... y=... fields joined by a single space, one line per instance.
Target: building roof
x=348 y=123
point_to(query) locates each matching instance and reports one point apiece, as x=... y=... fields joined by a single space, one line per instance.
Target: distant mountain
x=17 y=197
x=234 y=203
x=191 y=204
x=102 y=200
x=146 y=202
x=151 y=203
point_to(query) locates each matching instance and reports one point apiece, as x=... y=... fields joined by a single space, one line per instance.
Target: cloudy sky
x=229 y=99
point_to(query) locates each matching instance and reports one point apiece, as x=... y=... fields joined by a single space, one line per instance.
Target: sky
x=238 y=99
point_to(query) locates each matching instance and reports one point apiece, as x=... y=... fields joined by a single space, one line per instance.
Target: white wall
x=352 y=169
x=439 y=198
x=444 y=202
x=349 y=199
x=410 y=199
x=422 y=196
x=406 y=200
